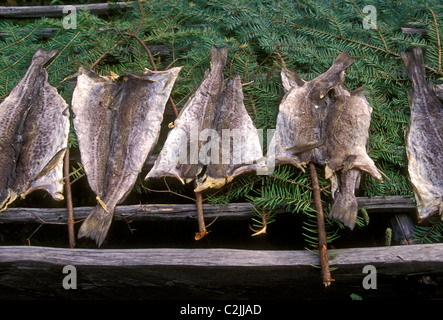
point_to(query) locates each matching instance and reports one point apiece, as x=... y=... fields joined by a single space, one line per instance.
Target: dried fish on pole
x=346 y=140
x=299 y=132
x=216 y=129
x=424 y=137
x=117 y=122
x=213 y=139
x=34 y=127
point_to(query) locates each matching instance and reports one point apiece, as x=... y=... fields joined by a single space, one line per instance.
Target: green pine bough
x=308 y=34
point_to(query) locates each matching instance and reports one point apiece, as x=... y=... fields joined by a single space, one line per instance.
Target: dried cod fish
x=424 y=137
x=204 y=128
x=117 y=122
x=346 y=140
x=299 y=133
x=34 y=127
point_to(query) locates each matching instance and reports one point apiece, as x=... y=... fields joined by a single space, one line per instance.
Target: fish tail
x=415 y=66
x=343 y=60
x=97 y=224
x=219 y=55
x=43 y=55
x=345 y=209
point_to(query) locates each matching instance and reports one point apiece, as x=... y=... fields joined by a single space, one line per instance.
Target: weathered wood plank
x=405 y=258
x=180 y=212
x=149 y=212
x=55 y=10
x=36 y=272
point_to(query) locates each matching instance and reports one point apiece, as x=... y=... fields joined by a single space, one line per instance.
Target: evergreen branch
x=438 y=37
x=21 y=39
x=64 y=48
x=18 y=60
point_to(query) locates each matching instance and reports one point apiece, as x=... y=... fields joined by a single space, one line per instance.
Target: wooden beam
x=54 y=11
x=36 y=272
x=148 y=212
x=183 y=212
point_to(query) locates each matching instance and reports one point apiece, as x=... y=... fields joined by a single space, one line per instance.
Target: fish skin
x=201 y=102
x=424 y=137
x=117 y=124
x=215 y=107
x=302 y=113
x=244 y=155
x=347 y=136
x=34 y=127
x=345 y=206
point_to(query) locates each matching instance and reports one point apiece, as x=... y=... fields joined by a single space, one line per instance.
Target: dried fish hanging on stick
x=346 y=141
x=299 y=132
x=34 y=127
x=117 y=122
x=319 y=122
x=213 y=139
x=424 y=137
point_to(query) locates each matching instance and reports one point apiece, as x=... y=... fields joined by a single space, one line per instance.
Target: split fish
x=424 y=137
x=299 y=133
x=346 y=140
x=34 y=127
x=117 y=121
x=204 y=128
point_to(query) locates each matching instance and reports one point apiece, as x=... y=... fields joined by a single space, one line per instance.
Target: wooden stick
x=15 y=12
x=322 y=242
x=201 y=220
x=69 y=205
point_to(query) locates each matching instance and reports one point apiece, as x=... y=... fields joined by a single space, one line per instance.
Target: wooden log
x=54 y=11
x=183 y=212
x=148 y=212
x=37 y=272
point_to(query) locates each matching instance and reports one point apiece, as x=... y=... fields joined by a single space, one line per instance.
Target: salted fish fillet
x=346 y=140
x=117 y=123
x=299 y=132
x=424 y=137
x=34 y=127
x=204 y=127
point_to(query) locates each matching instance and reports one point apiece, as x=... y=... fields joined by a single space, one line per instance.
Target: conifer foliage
x=308 y=34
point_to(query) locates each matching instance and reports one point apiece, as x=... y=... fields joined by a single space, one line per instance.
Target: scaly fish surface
x=347 y=136
x=424 y=137
x=213 y=139
x=299 y=133
x=117 y=122
x=34 y=127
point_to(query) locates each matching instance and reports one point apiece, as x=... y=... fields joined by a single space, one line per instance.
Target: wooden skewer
x=322 y=242
x=69 y=205
x=201 y=220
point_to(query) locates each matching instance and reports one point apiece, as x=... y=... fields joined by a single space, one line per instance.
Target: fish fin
x=345 y=209
x=306 y=147
x=52 y=163
x=97 y=224
x=368 y=168
x=359 y=92
x=344 y=60
x=328 y=171
x=7 y=199
x=289 y=78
